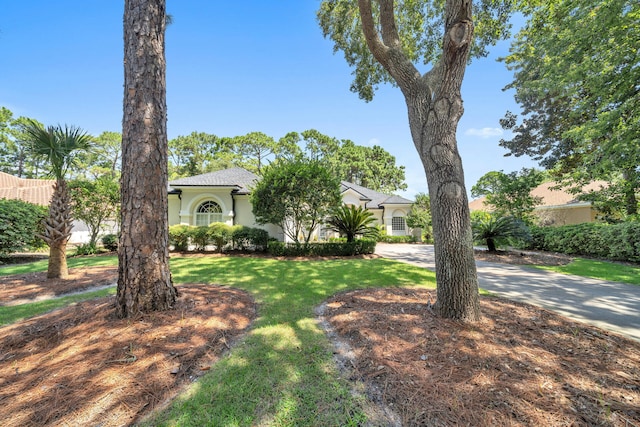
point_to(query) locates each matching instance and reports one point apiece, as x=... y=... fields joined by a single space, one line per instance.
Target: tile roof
x=36 y=191
x=374 y=199
x=240 y=178
x=551 y=196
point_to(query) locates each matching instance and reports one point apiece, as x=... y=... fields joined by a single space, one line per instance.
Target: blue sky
x=232 y=68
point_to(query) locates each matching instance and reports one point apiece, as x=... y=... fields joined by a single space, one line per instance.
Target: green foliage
x=385 y=238
x=19 y=223
x=420 y=216
x=249 y=238
x=16 y=153
x=494 y=231
x=352 y=221
x=618 y=242
x=420 y=28
x=510 y=194
x=179 y=236
x=575 y=66
x=220 y=235
x=199 y=236
x=86 y=249
x=94 y=203
x=334 y=248
x=199 y=153
x=110 y=242
x=295 y=195
x=58 y=145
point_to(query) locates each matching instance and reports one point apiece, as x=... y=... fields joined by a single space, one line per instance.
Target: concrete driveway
x=608 y=305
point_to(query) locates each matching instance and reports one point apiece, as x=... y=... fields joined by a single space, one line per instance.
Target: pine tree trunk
x=144 y=280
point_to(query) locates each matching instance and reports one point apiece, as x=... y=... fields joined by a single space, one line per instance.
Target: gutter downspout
x=233 y=208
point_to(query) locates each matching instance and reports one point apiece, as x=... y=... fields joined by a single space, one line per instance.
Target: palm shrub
x=351 y=221
x=498 y=230
x=60 y=147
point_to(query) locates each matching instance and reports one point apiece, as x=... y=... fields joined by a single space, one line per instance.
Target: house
x=36 y=191
x=223 y=196
x=557 y=207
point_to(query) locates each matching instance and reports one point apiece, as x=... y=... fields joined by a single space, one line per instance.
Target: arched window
x=208 y=212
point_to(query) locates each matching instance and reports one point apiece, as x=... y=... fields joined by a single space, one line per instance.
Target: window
x=208 y=212
x=398 y=224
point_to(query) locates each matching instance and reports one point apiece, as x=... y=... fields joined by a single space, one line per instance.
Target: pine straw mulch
x=520 y=365
x=83 y=366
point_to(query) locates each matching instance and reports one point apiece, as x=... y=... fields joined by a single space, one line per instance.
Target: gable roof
x=550 y=195
x=239 y=178
x=243 y=180
x=36 y=191
x=373 y=198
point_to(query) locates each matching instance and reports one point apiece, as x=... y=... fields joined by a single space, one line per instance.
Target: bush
x=19 y=223
x=199 y=236
x=396 y=239
x=357 y=247
x=220 y=235
x=179 y=236
x=618 y=242
x=110 y=242
x=86 y=249
x=249 y=238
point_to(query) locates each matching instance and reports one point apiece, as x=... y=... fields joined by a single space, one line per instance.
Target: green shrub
x=249 y=238
x=220 y=235
x=19 y=223
x=618 y=242
x=199 y=237
x=86 y=249
x=396 y=239
x=357 y=247
x=495 y=231
x=179 y=236
x=110 y=242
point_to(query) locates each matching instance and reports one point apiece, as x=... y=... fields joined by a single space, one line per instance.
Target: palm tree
x=59 y=146
x=351 y=222
x=494 y=230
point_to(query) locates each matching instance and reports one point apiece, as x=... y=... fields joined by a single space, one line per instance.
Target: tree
x=16 y=155
x=420 y=216
x=255 y=148
x=494 y=230
x=297 y=196
x=19 y=225
x=199 y=153
x=60 y=147
x=352 y=221
x=371 y=167
x=510 y=194
x=382 y=40
x=144 y=280
x=94 y=203
x=576 y=73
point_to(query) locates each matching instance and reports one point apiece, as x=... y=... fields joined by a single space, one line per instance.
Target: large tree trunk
x=144 y=280
x=57 y=230
x=435 y=107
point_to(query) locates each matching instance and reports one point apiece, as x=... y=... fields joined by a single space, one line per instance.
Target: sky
x=232 y=68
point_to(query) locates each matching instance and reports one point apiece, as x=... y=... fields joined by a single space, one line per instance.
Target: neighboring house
x=223 y=196
x=557 y=206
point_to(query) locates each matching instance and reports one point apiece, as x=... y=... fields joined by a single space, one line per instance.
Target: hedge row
x=618 y=242
x=220 y=235
x=357 y=247
x=396 y=239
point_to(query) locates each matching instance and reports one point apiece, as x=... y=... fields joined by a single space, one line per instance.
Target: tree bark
x=434 y=106
x=57 y=230
x=144 y=280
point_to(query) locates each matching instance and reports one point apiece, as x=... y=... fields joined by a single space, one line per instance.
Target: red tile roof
x=37 y=191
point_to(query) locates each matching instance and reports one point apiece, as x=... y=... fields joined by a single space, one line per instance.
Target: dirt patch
x=82 y=366
x=523 y=257
x=520 y=366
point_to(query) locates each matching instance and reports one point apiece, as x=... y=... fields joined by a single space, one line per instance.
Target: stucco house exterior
x=557 y=206
x=223 y=196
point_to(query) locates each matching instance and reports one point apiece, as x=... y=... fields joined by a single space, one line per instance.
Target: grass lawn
x=603 y=270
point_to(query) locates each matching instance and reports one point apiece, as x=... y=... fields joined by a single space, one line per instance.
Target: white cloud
x=484 y=133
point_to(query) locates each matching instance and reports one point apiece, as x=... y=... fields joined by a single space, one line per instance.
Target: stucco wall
x=565 y=215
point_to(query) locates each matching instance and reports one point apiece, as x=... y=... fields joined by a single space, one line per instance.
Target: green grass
x=283 y=372
x=16 y=313
x=603 y=270
x=74 y=262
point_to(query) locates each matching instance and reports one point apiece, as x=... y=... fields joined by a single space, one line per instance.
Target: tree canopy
x=297 y=196
x=576 y=72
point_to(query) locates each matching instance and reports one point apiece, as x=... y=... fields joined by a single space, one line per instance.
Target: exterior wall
x=392 y=211
x=565 y=215
x=193 y=197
